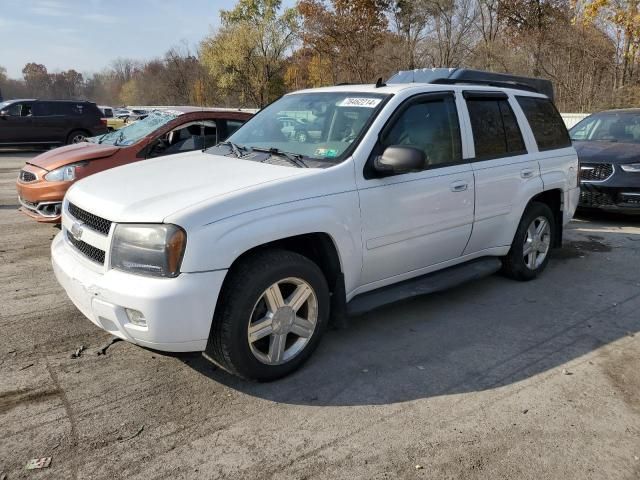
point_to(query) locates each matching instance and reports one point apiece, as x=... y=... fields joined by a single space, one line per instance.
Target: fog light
x=136 y=317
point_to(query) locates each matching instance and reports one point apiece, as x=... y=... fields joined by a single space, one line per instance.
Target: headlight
x=631 y=167
x=154 y=250
x=62 y=174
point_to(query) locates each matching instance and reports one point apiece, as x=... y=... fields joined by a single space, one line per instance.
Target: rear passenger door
x=48 y=121
x=415 y=220
x=506 y=176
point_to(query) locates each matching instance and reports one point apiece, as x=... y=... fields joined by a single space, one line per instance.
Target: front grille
x=87 y=250
x=27 y=176
x=90 y=220
x=595 y=172
x=596 y=199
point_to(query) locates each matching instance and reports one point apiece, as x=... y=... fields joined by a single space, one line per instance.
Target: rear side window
x=43 y=109
x=495 y=130
x=546 y=123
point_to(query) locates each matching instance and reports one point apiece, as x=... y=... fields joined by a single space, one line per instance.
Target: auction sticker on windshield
x=360 y=102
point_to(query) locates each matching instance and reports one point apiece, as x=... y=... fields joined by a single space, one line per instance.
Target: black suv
x=48 y=122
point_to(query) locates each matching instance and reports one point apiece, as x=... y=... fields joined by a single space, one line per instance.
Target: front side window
x=17 y=109
x=318 y=125
x=546 y=123
x=623 y=127
x=430 y=126
x=495 y=130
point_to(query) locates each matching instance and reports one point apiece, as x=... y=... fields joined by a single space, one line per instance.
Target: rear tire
x=271 y=313
x=76 y=136
x=529 y=253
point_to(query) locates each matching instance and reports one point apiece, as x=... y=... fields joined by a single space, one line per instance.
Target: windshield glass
x=318 y=125
x=608 y=127
x=136 y=131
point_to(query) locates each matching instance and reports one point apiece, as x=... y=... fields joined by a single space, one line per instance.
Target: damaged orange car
x=44 y=180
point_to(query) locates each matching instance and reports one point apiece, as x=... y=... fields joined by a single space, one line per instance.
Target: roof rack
x=474 y=77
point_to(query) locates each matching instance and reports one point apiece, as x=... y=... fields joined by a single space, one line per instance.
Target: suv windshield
x=318 y=125
x=621 y=127
x=136 y=131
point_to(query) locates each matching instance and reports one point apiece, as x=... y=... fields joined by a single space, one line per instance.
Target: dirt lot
x=494 y=379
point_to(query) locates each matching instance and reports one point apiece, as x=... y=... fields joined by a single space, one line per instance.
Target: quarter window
x=495 y=130
x=431 y=126
x=546 y=123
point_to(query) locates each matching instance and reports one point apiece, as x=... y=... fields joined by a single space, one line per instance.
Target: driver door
x=416 y=220
x=17 y=125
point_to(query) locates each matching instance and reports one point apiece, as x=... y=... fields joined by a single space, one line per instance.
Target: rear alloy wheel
x=529 y=253
x=537 y=243
x=271 y=313
x=76 y=136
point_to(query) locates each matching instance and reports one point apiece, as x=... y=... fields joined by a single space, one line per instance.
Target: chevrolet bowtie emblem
x=76 y=230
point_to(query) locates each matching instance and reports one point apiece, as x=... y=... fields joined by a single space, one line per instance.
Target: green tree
x=247 y=56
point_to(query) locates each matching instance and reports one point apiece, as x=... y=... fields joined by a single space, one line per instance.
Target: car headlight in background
x=631 y=167
x=63 y=174
x=154 y=250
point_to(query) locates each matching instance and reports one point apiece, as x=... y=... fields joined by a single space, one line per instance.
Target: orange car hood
x=59 y=157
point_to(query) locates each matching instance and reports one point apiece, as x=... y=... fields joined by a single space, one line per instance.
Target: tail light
x=103 y=121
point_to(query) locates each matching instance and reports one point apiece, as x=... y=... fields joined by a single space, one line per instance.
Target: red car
x=44 y=180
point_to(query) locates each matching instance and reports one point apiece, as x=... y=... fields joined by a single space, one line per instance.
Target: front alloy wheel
x=271 y=313
x=283 y=321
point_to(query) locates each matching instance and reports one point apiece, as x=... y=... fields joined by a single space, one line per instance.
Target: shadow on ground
x=478 y=336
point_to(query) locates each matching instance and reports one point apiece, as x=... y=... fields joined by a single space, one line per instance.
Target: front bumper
x=610 y=198
x=39 y=199
x=178 y=310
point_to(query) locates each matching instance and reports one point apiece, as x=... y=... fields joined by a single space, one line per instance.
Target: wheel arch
x=320 y=248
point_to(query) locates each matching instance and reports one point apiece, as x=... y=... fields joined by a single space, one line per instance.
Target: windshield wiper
x=294 y=158
x=120 y=137
x=235 y=148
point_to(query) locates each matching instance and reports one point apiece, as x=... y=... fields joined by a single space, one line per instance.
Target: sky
x=88 y=34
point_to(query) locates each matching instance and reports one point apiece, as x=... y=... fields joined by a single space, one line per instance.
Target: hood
x=151 y=190
x=77 y=152
x=607 y=152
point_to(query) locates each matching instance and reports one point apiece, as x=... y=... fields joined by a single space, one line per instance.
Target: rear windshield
x=623 y=127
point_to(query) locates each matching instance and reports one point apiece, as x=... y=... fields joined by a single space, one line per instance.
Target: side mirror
x=398 y=159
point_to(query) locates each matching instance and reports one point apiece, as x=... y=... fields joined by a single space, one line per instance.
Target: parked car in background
x=608 y=145
x=43 y=181
x=113 y=122
x=246 y=250
x=31 y=122
x=131 y=115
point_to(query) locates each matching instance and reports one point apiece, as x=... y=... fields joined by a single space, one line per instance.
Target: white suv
x=245 y=251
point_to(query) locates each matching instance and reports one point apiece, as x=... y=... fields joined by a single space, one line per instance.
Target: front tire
x=272 y=311
x=529 y=253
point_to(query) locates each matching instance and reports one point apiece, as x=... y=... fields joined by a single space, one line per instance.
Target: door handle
x=526 y=172
x=459 y=186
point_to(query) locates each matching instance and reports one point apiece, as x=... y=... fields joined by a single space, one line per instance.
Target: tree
x=37 y=79
x=346 y=34
x=247 y=55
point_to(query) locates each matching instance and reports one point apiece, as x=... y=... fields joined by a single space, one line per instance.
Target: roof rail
x=474 y=77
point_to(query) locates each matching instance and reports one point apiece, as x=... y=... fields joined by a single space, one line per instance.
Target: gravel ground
x=494 y=379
